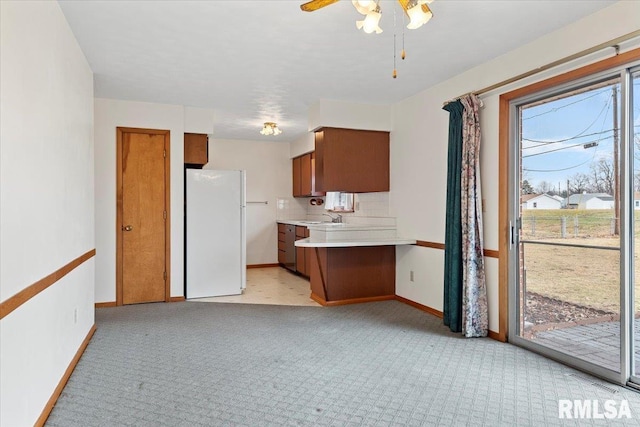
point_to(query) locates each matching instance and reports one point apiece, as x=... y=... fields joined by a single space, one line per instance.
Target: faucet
x=336 y=219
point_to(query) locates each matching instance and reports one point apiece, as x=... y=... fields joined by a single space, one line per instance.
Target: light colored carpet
x=385 y=363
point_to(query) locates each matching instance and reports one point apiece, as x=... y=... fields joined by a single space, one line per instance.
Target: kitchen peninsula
x=352 y=263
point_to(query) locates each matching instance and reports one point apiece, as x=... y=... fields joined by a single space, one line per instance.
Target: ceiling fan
x=417 y=10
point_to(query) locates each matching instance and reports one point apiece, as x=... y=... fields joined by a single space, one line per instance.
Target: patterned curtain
x=452 y=305
x=474 y=292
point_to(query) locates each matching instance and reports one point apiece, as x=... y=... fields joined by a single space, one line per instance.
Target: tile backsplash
x=291 y=208
x=370 y=208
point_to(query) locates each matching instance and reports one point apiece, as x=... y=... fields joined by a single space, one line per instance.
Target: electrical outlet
x=75 y=315
x=411 y=276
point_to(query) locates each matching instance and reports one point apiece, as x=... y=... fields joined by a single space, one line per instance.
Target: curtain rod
x=611 y=43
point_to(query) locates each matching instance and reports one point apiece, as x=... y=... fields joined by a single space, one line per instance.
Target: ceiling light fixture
x=270 y=128
x=419 y=14
x=364 y=6
x=371 y=21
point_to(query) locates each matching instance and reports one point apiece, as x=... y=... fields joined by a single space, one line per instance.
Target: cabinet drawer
x=282 y=228
x=300 y=232
x=281 y=237
x=282 y=246
x=282 y=257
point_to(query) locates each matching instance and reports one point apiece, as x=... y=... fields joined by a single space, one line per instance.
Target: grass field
x=583 y=276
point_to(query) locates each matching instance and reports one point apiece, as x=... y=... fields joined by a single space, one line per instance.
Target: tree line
x=599 y=179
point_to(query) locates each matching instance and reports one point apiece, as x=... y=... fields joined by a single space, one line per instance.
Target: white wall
x=198 y=120
x=303 y=145
x=349 y=115
x=596 y=203
x=109 y=114
x=269 y=176
x=419 y=147
x=46 y=202
x=542 y=202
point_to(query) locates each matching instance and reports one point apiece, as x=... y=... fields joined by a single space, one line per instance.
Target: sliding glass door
x=575 y=189
x=633 y=131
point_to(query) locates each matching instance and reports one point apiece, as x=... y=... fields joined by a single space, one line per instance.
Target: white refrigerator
x=215 y=233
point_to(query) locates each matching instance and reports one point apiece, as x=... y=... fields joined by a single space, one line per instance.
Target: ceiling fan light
x=270 y=128
x=418 y=16
x=364 y=6
x=371 y=22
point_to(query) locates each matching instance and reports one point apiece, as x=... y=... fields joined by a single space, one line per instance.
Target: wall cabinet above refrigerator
x=196 y=150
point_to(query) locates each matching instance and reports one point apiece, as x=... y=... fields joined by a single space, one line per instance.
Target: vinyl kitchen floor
x=273 y=285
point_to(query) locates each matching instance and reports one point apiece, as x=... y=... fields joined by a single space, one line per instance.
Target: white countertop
x=315 y=243
x=301 y=222
x=334 y=226
x=344 y=235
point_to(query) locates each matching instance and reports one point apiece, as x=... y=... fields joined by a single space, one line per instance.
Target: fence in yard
x=567 y=226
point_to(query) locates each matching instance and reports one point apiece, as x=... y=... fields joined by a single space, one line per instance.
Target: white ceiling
x=257 y=61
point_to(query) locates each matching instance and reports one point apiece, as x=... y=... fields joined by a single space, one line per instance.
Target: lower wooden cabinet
x=302 y=254
x=301 y=261
x=282 y=244
x=347 y=275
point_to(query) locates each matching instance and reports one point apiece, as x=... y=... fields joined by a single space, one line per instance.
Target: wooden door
x=142 y=220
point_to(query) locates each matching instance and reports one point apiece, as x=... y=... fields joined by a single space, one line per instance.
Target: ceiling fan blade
x=316 y=4
x=405 y=5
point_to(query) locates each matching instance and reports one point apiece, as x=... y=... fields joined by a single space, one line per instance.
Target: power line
x=542 y=143
x=553 y=110
x=561 y=148
x=557 y=170
x=606 y=106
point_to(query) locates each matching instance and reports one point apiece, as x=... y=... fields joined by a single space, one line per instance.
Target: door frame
x=504 y=163
x=506 y=297
x=120 y=131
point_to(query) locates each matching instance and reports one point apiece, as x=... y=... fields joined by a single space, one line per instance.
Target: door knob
x=127 y=228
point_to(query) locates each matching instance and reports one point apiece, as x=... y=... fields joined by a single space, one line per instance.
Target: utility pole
x=616 y=167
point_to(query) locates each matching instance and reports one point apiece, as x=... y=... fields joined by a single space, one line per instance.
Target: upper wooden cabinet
x=196 y=149
x=297 y=182
x=352 y=161
x=304 y=176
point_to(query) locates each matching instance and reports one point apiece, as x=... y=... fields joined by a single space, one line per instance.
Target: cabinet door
x=318 y=164
x=282 y=248
x=301 y=265
x=297 y=184
x=314 y=188
x=301 y=233
x=305 y=175
x=196 y=149
x=308 y=253
x=355 y=161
